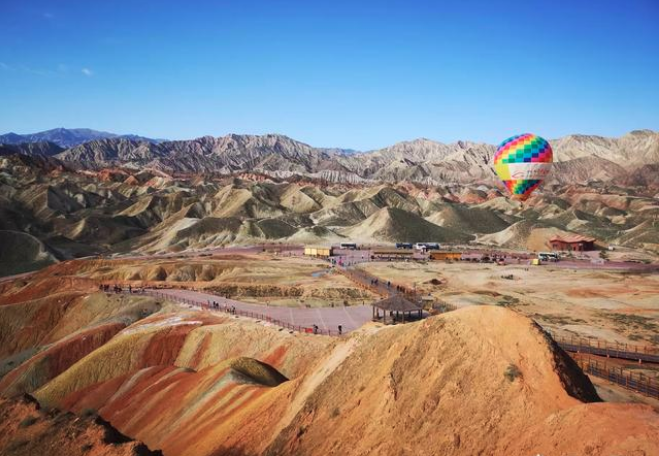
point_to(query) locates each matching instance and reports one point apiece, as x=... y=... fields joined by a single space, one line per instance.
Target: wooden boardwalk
x=327 y=319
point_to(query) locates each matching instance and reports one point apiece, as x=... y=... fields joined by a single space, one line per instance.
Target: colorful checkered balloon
x=522 y=162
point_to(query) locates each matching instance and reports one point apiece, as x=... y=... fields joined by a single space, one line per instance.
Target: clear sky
x=355 y=74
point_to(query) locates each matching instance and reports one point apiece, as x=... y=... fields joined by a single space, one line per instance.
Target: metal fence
x=634 y=381
x=641 y=353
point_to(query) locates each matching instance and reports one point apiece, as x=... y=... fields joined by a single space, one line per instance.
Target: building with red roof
x=572 y=243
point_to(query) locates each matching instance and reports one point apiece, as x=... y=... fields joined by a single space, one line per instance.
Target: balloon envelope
x=522 y=162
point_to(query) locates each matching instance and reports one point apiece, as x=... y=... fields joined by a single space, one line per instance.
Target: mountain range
x=67 y=137
x=580 y=158
x=122 y=195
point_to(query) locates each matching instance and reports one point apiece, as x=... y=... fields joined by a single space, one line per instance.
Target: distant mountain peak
x=642 y=132
x=66 y=137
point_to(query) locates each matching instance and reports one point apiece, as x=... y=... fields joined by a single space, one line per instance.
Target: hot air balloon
x=522 y=162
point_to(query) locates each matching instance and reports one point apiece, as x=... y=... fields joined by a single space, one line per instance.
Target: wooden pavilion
x=395 y=303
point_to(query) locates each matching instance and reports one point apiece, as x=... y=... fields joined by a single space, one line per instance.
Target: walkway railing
x=642 y=353
x=377 y=285
x=230 y=310
x=634 y=381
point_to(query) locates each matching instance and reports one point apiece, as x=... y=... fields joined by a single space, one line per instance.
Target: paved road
x=328 y=319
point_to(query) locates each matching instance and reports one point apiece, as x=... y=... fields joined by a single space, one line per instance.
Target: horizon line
x=420 y=138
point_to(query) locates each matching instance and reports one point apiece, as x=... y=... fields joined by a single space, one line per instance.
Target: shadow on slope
x=21 y=252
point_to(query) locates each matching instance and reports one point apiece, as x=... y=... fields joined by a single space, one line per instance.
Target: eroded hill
x=479 y=380
x=76 y=213
x=27 y=429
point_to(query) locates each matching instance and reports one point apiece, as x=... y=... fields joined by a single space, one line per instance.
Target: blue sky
x=350 y=74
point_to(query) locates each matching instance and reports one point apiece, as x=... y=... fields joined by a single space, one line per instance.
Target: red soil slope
x=25 y=430
x=481 y=380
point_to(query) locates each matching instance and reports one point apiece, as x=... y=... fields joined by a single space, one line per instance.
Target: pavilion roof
x=397 y=303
